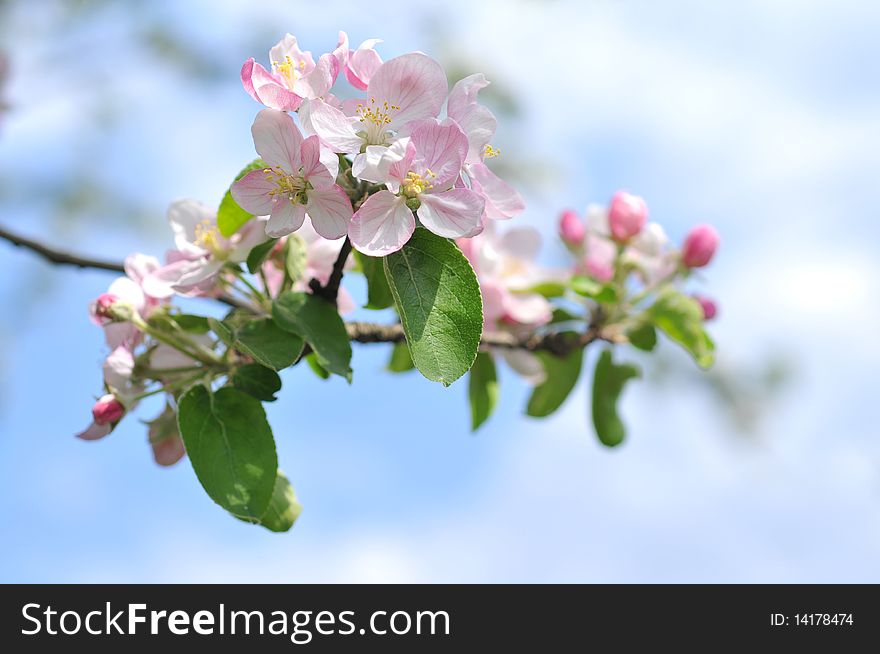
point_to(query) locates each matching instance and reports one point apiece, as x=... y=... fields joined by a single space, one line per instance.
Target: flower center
x=489 y=152
x=208 y=237
x=376 y=117
x=415 y=184
x=288 y=69
x=294 y=187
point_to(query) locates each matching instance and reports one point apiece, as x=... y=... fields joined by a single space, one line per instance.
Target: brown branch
x=330 y=290
x=560 y=343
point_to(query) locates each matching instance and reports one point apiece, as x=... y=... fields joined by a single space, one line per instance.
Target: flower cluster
x=396 y=171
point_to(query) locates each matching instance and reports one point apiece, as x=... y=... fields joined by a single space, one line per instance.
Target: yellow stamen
x=489 y=152
x=289 y=69
x=414 y=184
x=208 y=237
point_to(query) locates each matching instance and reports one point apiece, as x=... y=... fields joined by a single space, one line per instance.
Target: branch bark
x=360 y=332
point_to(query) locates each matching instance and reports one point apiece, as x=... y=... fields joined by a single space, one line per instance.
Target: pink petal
x=277 y=140
x=363 y=64
x=453 y=213
x=464 y=94
x=333 y=126
x=168 y=451
x=267 y=89
x=529 y=309
x=252 y=193
x=138 y=266
x=374 y=164
x=118 y=368
x=502 y=200
x=414 y=82
x=317 y=82
x=382 y=225
x=330 y=211
x=521 y=242
x=286 y=217
x=479 y=124
x=313 y=169
x=526 y=365
x=95 y=431
x=160 y=283
x=185 y=216
x=441 y=148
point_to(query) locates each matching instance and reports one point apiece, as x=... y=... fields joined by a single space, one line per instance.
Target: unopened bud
x=627 y=214
x=710 y=309
x=109 y=308
x=700 y=246
x=571 y=228
x=107 y=410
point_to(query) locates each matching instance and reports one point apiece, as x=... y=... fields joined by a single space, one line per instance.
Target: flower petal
x=139 y=266
x=118 y=368
x=318 y=81
x=363 y=64
x=330 y=211
x=374 y=164
x=277 y=140
x=454 y=213
x=521 y=242
x=313 y=168
x=502 y=200
x=440 y=148
x=185 y=216
x=266 y=89
x=382 y=225
x=253 y=193
x=479 y=124
x=333 y=126
x=413 y=82
x=286 y=217
x=526 y=365
x=464 y=94
x=95 y=431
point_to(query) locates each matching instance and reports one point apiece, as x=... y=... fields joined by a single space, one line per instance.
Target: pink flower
x=299 y=180
x=362 y=64
x=627 y=214
x=168 y=451
x=479 y=124
x=193 y=268
x=106 y=412
x=126 y=294
x=294 y=76
x=422 y=181
x=571 y=229
x=402 y=90
x=708 y=305
x=700 y=246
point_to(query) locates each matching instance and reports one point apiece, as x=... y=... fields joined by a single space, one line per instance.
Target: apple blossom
x=299 y=180
x=402 y=90
x=699 y=246
x=422 y=182
x=201 y=253
x=295 y=75
x=708 y=305
x=571 y=229
x=479 y=124
x=362 y=64
x=627 y=214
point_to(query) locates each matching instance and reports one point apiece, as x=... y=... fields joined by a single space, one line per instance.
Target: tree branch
x=559 y=344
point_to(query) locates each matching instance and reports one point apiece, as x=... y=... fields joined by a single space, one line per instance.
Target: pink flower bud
x=107 y=410
x=710 y=309
x=101 y=308
x=627 y=214
x=699 y=246
x=571 y=228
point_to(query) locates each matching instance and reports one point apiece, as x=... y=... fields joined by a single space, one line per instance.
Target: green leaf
x=257 y=381
x=192 y=324
x=563 y=315
x=400 y=361
x=378 y=293
x=643 y=336
x=258 y=255
x=230 y=216
x=230 y=444
x=319 y=323
x=268 y=344
x=283 y=508
x=607 y=385
x=547 y=288
x=296 y=256
x=316 y=367
x=591 y=288
x=562 y=375
x=482 y=389
x=439 y=302
x=223 y=331
x=681 y=319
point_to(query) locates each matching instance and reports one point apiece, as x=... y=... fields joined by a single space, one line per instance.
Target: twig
x=559 y=344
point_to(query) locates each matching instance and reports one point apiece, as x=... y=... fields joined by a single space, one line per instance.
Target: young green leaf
x=547 y=288
x=439 y=302
x=296 y=257
x=319 y=323
x=643 y=337
x=378 y=293
x=591 y=288
x=283 y=509
x=258 y=255
x=231 y=447
x=268 y=344
x=257 y=381
x=191 y=324
x=562 y=375
x=230 y=216
x=681 y=318
x=224 y=332
x=400 y=360
x=482 y=389
x=316 y=367
x=608 y=384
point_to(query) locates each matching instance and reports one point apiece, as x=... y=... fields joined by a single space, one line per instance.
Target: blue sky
x=760 y=117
